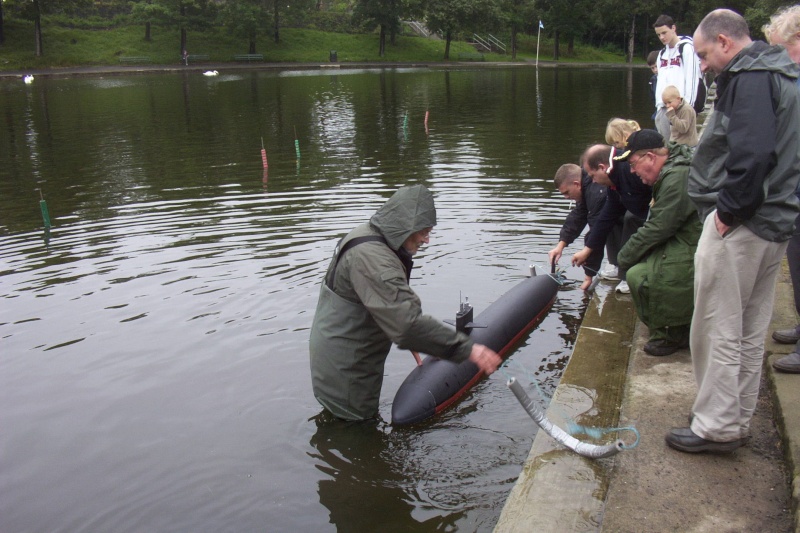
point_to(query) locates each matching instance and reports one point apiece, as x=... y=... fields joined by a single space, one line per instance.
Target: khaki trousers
x=734 y=289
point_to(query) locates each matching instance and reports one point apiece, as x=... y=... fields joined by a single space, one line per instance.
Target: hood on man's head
x=409 y=210
x=641 y=140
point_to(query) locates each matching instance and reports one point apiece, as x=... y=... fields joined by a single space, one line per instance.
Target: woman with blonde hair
x=784 y=29
x=618 y=130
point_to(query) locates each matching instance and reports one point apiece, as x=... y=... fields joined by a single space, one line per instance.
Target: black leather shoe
x=744 y=440
x=684 y=439
x=661 y=347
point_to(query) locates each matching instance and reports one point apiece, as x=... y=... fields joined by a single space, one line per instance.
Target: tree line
x=619 y=25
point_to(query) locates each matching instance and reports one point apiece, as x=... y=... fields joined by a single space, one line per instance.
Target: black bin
x=333 y=56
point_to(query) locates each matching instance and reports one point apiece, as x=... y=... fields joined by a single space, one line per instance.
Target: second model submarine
x=437 y=383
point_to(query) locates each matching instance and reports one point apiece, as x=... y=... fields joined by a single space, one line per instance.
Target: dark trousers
x=626 y=226
x=793 y=255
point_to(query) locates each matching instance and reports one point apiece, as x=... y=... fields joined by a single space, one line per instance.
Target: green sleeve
x=380 y=283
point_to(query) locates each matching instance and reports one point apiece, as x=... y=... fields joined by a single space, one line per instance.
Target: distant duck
x=210 y=73
x=28 y=79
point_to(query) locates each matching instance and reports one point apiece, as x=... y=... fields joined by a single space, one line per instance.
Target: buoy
x=437 y=384
x=210 y=73
x=296 y=144
x=28 y=79
x=45 y=212
x=427 y=114
x=263 y=155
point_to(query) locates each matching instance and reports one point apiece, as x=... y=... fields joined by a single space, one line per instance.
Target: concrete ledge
x=559 y=490
x=786 y=387
x=609 y=382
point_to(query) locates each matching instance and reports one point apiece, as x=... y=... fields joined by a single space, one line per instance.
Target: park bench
x=248 y=57
x=134 y=59
x=470 y=56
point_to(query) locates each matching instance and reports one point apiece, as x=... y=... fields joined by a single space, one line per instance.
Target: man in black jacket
x=743 y=179
x=589 y=197
x=627 y=196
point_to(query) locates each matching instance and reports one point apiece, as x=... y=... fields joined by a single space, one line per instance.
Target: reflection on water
x=153 y=363
x=364 y=479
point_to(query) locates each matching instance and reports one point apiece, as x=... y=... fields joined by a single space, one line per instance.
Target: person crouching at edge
x=366 y=304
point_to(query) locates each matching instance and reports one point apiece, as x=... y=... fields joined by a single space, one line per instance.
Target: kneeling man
x=660 y=255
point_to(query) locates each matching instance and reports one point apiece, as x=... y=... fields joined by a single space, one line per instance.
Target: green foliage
x=455 y=16
x=79 y=47
x=330 y=21
x=93 y=22
x=758 y=15
x=244 y=18
x=152 y=12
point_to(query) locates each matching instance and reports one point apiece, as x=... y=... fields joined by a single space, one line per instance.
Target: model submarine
x=436 y=384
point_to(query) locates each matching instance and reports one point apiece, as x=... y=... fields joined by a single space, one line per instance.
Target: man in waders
x=366 y=304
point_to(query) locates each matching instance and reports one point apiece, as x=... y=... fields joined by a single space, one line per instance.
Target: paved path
x=653 y=488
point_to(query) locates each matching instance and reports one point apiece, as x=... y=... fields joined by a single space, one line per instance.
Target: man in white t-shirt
x=678 y=66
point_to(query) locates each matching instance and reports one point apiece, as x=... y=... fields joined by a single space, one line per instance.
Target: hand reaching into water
x=486 y=358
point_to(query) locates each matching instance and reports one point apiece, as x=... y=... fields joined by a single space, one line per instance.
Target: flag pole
x=538 y=34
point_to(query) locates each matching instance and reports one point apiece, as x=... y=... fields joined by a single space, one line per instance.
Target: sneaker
x=623 y=287
x=787 y=336
x=610 y=273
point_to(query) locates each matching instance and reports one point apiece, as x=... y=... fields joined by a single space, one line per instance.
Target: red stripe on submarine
x=437 y=383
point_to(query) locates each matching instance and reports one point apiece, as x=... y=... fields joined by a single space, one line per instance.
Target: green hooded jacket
x=366 y=304
x=667 y=243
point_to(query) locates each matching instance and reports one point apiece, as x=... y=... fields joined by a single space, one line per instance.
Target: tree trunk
x=37 y=28
x=382 y=44
x=555 y=45
x=2 y=32
x=448 y=38
x=571 y=46
x=631 y=39
x=645 y=34
x=514 y=41
x=183 y=29
x=252 y=48
x=276 y=22
x=147 y=36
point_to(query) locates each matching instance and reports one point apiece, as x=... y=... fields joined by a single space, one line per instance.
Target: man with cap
x=366 y=304
x=659 y=257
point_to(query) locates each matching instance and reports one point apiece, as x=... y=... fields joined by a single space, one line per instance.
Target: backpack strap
x=349 y=244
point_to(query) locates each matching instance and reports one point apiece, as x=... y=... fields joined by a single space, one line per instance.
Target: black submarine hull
x=436 y=384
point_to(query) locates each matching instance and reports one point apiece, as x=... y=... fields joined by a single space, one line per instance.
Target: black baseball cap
x=641 y=140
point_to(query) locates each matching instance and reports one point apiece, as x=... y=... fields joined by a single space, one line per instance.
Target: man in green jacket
x=660 y=255
x=366 y=304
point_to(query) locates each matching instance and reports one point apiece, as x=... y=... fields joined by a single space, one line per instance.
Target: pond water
x=154 y=367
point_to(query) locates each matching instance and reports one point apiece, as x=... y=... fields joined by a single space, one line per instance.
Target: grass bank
x=68 y=47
